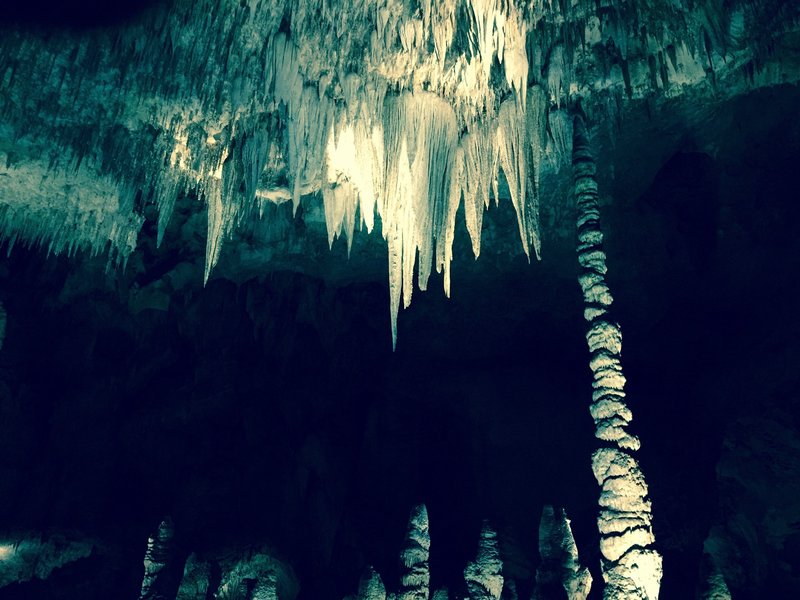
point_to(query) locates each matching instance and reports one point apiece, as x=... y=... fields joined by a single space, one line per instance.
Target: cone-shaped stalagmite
x=631 y=568
x=371 y=586
x=415 y=580
x=159 y=579
x=559 y=575
x=484 y=575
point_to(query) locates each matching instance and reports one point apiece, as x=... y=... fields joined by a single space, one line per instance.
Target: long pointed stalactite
x=631 y=567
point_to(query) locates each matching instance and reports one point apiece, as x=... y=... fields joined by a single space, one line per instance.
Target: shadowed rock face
x=267 y=407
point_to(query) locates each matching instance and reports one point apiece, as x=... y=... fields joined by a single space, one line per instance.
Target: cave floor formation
x=214 y=215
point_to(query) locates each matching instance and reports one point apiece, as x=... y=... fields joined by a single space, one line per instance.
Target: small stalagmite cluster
x=560 y=575
x=631 y=568
x=171 y=575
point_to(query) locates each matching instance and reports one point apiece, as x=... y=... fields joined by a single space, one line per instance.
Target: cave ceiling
x=403 y=119
x=213 y=212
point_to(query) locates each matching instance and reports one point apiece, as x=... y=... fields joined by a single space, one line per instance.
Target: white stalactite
x=632 y=570
x=245 y=113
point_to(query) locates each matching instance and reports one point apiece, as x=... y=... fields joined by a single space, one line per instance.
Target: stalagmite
x=415 y=578
x=559 y=575
x=715 y=587
x=159 y=564
x=266 y=577
x=371 y=586
x=631 y=568
x=484 y=575
x=195 y=582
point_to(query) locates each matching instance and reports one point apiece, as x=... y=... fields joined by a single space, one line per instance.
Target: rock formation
x=387 y=110
x=415 y=578
x=160 y=557
x=631 y=568
x=27 y=557
x=484 y=576
x=559 y=575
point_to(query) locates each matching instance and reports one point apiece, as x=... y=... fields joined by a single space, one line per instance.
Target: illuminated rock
x=415 y=577
x=631 y=568
x=159 y=563
x=484 y=575
x=385 y=111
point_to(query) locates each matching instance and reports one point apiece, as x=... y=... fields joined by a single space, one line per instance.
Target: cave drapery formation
x=389 y=115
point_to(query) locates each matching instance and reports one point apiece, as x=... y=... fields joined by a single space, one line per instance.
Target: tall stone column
x=631 y=567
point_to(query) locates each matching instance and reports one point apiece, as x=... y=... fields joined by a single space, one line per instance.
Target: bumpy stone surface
x=371 y=586
x=484 y=575
x=631 y=569
x=415 y=578
x=158 y=562
x=387 y=111
x=26 y=557
x=559 y=575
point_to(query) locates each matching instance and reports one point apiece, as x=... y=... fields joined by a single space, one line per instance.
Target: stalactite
x=415 y=578
x=484 y=575
x=631 y=568
x=244 y=109
x=559 y=574
x=157 y=582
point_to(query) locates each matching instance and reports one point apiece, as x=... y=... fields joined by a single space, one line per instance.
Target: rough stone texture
x=23 y=558
x=371 y=586
x=215 y=99
x=271 y=578
x=559 y=575
x=195 y=581
x=631 y=569
x=415 y=577
x=484 y=575
x=159 y=559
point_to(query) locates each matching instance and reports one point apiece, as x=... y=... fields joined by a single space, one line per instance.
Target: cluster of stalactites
x=631 y=568
x=483 y=576
x=403 y=158
x=407 y=157
x=176 y=100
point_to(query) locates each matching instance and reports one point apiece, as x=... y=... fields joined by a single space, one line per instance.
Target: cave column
x=631 y=567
